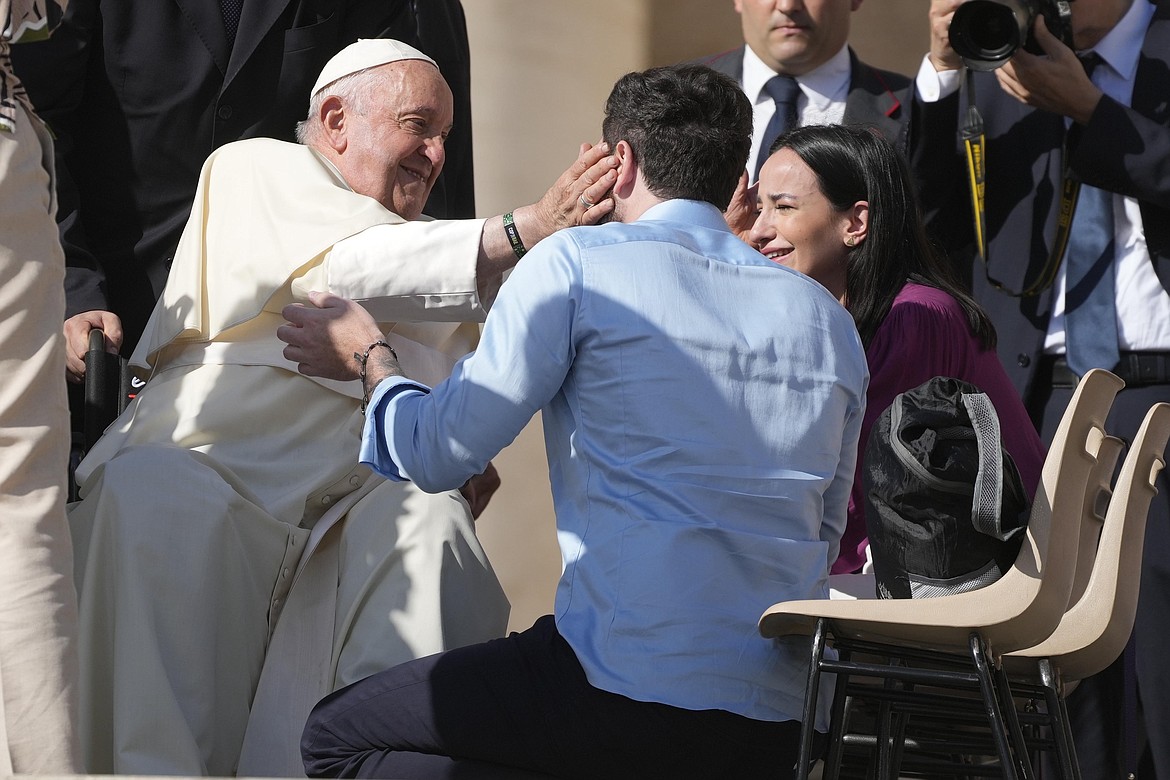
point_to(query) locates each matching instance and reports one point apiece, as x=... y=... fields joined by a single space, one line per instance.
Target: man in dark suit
x=801 y=48
x=1115 y=124
x=140 y=92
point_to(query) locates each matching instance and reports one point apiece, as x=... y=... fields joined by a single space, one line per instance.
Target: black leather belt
x=1136 y=369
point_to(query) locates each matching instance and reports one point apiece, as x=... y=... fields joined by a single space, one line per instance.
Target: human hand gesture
x=942 y=56
x=1054 y=81
x=741 y=211
x=323 y=336
x=580 y=195
x=479 y=490
x=77 y=330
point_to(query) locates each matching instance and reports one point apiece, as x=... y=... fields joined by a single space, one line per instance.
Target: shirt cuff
x=376 y=450
x=934 y=85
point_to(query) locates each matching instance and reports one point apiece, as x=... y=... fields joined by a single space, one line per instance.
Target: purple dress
x=926 y=335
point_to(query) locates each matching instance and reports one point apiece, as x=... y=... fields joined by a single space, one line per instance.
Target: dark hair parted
x=857 y=164
x=690 y=129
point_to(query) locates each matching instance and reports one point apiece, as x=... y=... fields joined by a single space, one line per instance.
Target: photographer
x=1050 y=122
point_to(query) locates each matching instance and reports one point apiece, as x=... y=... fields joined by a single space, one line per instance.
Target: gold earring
x=850 y=241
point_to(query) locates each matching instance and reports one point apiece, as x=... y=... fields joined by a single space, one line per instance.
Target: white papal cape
x=229 y=547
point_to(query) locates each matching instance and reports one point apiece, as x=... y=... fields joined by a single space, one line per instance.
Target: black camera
x=986 y=33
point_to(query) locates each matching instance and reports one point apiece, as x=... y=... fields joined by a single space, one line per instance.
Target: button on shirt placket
x=292 y=556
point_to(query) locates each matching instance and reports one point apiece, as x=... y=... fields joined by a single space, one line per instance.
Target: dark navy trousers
x=521 y=707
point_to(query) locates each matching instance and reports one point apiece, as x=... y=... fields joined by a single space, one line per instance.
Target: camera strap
x=975 y=148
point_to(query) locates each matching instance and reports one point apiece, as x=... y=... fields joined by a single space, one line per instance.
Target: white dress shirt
x=822 y=95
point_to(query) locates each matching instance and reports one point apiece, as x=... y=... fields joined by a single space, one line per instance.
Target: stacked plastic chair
x=956 y=641
x=1096 y=626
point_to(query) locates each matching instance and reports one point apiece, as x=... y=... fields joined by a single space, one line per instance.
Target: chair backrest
x=1044 y=569
x=1094 y=630
x=1098 y=493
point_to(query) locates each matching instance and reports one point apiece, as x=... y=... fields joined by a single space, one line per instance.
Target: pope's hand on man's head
x=581 y=195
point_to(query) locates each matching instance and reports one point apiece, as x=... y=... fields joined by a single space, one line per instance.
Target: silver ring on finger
x=585 y=201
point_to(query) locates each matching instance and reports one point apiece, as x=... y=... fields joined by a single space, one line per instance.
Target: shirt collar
x=1121 y=47
x=695 y=212
x=820 y=86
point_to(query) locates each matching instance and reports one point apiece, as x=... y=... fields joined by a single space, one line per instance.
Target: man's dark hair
x=689 y=126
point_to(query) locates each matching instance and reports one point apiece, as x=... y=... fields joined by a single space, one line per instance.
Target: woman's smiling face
x=797 y=226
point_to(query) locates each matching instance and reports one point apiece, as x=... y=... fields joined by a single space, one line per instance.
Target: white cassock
x=199 y=503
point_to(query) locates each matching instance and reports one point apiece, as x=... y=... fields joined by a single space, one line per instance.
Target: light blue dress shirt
x=701 y=408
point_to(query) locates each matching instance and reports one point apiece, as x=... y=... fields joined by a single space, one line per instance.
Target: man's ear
x=334 y=125
x=627 y=170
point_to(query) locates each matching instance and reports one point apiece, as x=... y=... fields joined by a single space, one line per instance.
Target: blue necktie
x=783 y=90
x=1089 y=302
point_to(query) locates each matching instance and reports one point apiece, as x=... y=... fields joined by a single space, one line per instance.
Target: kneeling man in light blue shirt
x=701 y=407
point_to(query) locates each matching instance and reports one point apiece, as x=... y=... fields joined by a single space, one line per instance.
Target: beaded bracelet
x=361 y=360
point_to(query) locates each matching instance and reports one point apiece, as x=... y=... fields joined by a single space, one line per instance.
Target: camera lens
x=986 y=33
x=992 y=34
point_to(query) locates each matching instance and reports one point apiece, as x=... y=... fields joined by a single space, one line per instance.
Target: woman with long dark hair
x=837 y=203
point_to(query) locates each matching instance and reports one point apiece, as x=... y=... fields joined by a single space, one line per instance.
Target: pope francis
x=234 y=562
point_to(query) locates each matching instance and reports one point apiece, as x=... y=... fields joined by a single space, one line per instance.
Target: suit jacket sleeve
x=1124 y=151
x=939 y=170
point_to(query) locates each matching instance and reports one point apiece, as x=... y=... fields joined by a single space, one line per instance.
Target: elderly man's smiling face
x=394 y=145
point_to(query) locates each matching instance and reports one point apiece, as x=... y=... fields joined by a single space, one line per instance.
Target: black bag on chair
x=944 y=506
